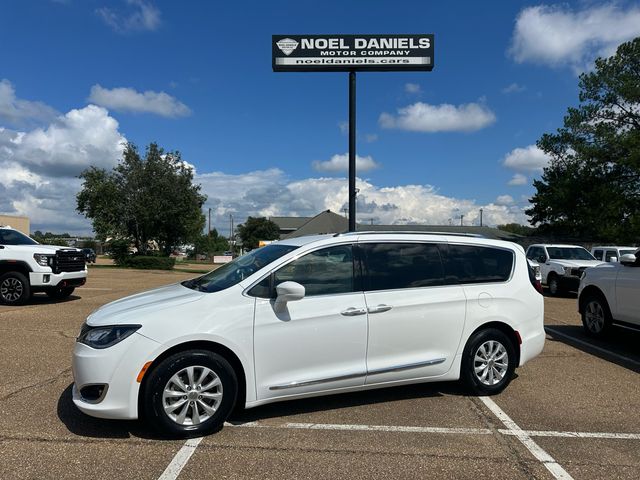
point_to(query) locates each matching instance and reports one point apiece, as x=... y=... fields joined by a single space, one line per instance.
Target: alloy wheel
x=491 y=362
x=11 y=289
x=594 y=316
x=192 y=395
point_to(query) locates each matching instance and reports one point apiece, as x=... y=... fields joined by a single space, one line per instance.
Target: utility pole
x=480 y=217
x=209 y=221
x=461 y=218
x=230 y=230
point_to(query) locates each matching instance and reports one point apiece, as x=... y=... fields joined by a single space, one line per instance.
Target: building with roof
x=22 y=224
x=330 y=222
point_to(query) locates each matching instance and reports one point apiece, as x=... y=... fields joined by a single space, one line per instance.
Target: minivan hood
x=577 y=263
x=130 y=310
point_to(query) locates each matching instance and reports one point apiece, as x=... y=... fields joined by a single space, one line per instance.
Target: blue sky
x=80 y=77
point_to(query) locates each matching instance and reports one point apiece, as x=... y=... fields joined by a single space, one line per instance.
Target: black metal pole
x=352 y=151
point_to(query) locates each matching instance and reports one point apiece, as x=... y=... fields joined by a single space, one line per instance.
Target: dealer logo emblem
x=287 y=45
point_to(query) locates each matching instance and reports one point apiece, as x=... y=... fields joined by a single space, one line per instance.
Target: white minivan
x=312 y=316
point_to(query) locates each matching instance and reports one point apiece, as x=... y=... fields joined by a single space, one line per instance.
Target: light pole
x=209 y=231
x=480 y=217
x=461 y=219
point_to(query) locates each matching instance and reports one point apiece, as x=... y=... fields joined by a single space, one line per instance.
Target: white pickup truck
x=609 y=294
x=27 y=267
x=561 y=266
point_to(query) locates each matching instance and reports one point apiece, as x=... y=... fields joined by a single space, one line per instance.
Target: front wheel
x=14 y=288
x=190 y=394
x=554 y=285
x=596 y=318
x=488 y=362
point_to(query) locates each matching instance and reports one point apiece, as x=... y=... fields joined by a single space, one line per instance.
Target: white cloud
x=517 y=180
x=527 y=159
x=344 y=127
x=371 y=137
x=422 y=117
x=18 y=112
x=39 y=167
x=513 y=88
x=504 y=200
x=340 y=163
x=272 y=193
x=556 y=35
x=129 y=100
x=412 y=88
x=140 y=16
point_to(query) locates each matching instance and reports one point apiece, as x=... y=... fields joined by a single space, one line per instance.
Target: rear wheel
x=60 y=293
x=14 y=288
x=596 y=318
x=190 y=394
x=488 y=362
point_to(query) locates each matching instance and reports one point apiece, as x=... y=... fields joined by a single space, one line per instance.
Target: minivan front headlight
x=104 y=337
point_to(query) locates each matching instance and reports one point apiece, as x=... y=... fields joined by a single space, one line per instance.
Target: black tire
x=14 y=288
x=553 y=282
x=596 y=316
x=159 y=379
x=60 y=293
x=468 y=375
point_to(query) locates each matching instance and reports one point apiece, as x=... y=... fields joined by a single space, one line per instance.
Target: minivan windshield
x=237 y=270
x=569 y=253
x=14 y=237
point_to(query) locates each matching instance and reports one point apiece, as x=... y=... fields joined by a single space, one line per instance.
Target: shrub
x=150 y=263
x=119 y=251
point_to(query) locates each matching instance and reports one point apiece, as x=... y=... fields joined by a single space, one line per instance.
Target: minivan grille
x=68 y=261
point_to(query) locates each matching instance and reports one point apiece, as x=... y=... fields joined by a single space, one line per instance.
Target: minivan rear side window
x=391 y=266
x=478 y=264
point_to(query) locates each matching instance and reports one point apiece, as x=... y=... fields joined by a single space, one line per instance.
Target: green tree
x=256 y=229
x=591 y=187
x=145 y=199
x=517 y=229
x=210 y=244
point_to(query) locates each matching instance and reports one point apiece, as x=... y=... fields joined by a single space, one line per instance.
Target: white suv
x=609 y=294
x=561 y=266
x=611 y=254
x=27 y=267
x=312 y=316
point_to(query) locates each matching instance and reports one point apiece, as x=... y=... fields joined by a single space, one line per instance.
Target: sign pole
x=352 y=151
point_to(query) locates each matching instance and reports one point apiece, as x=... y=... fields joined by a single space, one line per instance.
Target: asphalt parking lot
x=570 y=413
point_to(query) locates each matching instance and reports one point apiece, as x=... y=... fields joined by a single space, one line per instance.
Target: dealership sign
x=339 y=53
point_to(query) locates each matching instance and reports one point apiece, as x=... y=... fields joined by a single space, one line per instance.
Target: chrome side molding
x=398 y=368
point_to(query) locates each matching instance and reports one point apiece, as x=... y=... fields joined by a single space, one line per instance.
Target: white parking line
x=594 y=347
x=388 y=428
x=180 y=460
x=536 y=450
x=603 y=435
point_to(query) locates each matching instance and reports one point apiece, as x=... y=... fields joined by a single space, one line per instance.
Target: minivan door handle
x=380 y=308
x=352 y=312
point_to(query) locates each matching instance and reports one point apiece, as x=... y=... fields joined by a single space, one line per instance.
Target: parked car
x=89 y=255
x=312 y=316
x=609 y=294
x=561 y=266
x=611 y=254
x=26 y=267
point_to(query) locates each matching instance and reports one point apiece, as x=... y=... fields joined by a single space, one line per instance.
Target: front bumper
x=49 y=279
x=570 y=283
x=117 y=367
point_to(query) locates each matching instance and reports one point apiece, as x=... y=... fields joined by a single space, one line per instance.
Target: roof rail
x=410 y=232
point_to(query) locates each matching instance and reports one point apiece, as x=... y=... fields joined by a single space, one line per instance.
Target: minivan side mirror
x=613 y=259
x=289 y=292
x=628 y=258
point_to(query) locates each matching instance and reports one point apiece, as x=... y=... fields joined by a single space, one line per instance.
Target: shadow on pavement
x=44 y=299
x=85 y=426
x=620 y=341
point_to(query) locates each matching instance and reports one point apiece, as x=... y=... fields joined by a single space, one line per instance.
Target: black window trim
x=357 y=280
x=438 y=244
x=496 y=247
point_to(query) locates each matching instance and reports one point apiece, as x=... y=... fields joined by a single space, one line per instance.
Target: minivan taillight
x=534 y=281
x=537 y=284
